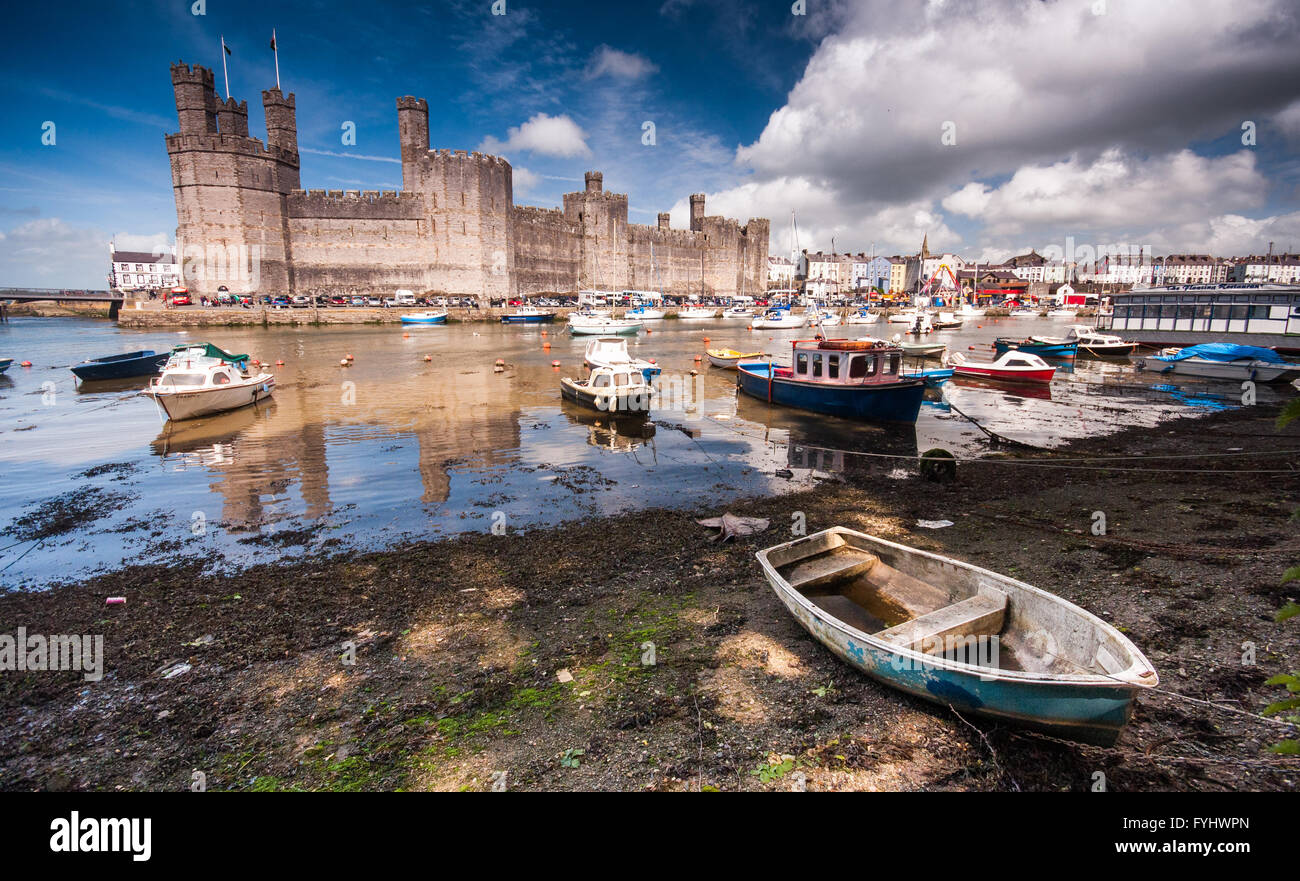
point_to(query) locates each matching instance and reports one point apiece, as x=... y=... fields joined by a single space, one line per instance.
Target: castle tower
x=281 y=120
x=665 y=220
x=232 y=117
x=412 y=137
x=697 y=212
x=595 y=181
x=196 y=98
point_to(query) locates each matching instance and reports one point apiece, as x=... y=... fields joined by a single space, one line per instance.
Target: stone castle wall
x=243 y=221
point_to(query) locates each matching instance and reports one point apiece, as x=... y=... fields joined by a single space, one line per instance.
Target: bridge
x=30 y=295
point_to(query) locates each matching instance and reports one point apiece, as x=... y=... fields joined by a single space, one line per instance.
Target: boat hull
x=433 y=319
x=143 y=364
x=1226 y=370
x=205 y=402
x=1051 y=350
x=5 y=364
x=527 y=319
x=635 y=403
x=779 y=323
x=892 y=402
x=1003 y=375
x=1093 y=707
x=602 y=328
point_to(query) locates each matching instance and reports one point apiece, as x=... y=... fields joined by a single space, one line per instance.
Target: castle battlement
x=219 y=143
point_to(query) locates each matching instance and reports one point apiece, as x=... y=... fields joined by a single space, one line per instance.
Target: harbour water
x=397 y=447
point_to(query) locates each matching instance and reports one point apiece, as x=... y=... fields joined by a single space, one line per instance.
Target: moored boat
x=696 y=313
x=5 y=363
x=863 y=316
x=612 y=352
x=601 y=324
x=1012 y=366
x=1058 y=349
x=431 y=316
x=143 y=363
x=736 y=312
x=528 y=315
x=779 y=318
x=727 y=359
x=1023 y=313
x=959 y=635
x=645 y=313
x=610 y=390
x=1225 y=361
x=188 y=389
x=1090 y=341
x=853 y=379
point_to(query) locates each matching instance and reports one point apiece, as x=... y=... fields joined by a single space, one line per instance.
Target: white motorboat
x=907 y=316
x=966 y=310
x=610 y=390
x=1090 y=341
x=922 y=323
x=1224 y=361
x=697 y=312
x=823 y=319
x=597 y=325
x=612 y=352
x=1023 y=313
x=777 y=319
x=1010 y=365
x=947 y=321
x=864 y=316
x=1063 y=313
x=919 y=350
x=737 y=312
x=203 y=386
x=432 y=316
x=645 y=313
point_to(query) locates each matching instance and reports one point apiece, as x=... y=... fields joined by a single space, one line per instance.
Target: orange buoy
x=648 y=331
x=546 y=347
x=406 y=336
x=279 y=363
x=501 y=362
x=751 y=327
x=698 y=359
x=555 y=363
x=349 y=356
x=653 y=361
x=25 y=364
x=428 y=357
x=706 y=339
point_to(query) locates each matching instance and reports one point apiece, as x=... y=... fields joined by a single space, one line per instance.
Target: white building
x=780 y=272
x=1275 y=268
x=143 y=270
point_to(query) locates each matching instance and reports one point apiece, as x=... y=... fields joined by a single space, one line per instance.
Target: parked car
x=301 y=302
x=374 y=301
x=280 y=302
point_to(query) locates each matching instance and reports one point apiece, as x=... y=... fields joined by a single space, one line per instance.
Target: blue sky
x=1122 y=126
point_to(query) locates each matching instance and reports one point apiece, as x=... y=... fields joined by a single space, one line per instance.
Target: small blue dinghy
x=960 y=636
x=142 y=363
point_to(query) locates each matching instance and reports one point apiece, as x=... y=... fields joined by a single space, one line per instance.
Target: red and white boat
x=1013 y=365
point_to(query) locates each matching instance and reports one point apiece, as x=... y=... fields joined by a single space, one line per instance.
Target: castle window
x=462 y=228
x=462 y=200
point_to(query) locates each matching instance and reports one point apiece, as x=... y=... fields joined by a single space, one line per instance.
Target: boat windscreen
x=211 y=351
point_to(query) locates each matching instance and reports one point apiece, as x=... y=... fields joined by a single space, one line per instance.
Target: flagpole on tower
x=275 y=51
x=224 y=72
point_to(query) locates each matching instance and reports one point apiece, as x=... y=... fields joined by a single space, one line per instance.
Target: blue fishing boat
x=932 y=378
x=1037 y=347
x=4 y=364
x=852 y=379
x=959 y=635
x=528 y=315
x=143 y=363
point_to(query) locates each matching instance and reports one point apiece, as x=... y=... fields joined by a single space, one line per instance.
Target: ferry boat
x=1253 y=314
x=528 y=315
x=852 y=379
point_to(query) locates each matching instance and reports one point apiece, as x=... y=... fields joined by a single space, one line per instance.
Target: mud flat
x=525 y=653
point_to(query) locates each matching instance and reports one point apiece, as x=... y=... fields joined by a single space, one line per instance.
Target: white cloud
x=1113 y=192
x=523 y=180
x=542 y=134
x=49 y=253
x=607 y=61
x=1085 y=124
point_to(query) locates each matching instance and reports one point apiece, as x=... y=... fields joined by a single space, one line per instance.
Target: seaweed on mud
x=63 y=514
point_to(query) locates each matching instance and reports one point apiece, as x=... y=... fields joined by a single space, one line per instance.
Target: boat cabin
x=844 y=362
x=199 y=376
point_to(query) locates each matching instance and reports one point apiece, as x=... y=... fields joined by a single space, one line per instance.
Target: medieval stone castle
x=453 y=228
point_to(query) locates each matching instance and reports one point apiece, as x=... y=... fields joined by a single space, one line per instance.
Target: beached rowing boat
x=959 y=635
x=727 y=359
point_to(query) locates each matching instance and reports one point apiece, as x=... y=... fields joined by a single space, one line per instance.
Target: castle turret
x=412 y=137
x=232 y=117
x=595 y=181
x=281 y=120
x=665 y=220
x=697 y=212
x=196 y=98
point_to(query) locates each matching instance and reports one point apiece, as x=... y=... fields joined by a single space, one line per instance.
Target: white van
x=404 y=298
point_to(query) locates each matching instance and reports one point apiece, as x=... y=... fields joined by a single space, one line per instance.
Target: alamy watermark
x=59 y=652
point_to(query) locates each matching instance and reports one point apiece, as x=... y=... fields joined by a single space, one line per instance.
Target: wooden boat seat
x=845 y=563
x=980 y=615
